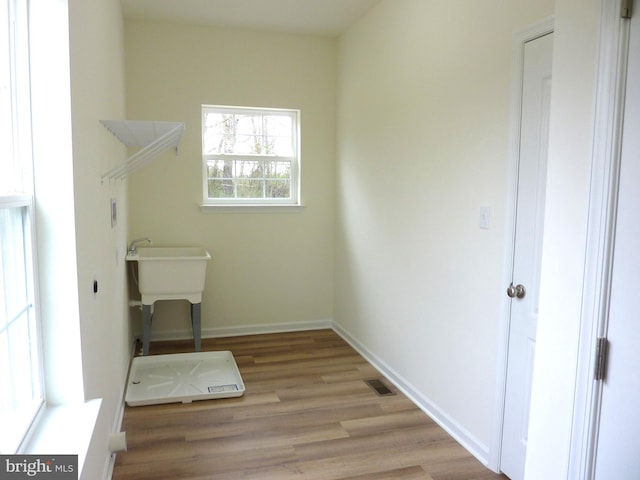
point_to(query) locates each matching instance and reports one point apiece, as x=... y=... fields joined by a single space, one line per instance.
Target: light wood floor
x=306 y=414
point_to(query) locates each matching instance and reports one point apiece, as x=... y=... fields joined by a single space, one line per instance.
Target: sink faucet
x=132 y=245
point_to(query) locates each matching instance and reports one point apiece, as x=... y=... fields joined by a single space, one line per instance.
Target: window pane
x=220 y=168
x=278 y=169
x=218 y=133
x=15 y=142
x=247 y=169
x=279 y=135
x=19 y=361
x=221 y=188
x=249 y=189
x=278 y=188
x=249 y=134
x=8 y=167
x=6 y=402
x=249 y=178
x=12 y=261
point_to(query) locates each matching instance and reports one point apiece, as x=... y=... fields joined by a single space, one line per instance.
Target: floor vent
x=378 y=387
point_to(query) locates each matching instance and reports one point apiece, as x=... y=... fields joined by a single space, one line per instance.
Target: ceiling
x=314 y=17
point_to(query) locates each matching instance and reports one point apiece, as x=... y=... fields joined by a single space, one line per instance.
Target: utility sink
x=170 y=273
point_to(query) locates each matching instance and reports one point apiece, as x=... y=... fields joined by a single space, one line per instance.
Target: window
x=250 y=156
x=21 y=392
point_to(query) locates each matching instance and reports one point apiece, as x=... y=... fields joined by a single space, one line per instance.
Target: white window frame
x=22 y=399
x=260 y=203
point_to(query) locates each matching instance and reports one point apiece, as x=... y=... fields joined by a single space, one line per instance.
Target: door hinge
x=600 y=369
x=627 y=9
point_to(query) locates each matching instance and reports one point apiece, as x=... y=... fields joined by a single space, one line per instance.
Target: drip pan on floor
x=183 y=377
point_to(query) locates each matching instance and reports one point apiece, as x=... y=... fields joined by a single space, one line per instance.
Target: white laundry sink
x=170 y=273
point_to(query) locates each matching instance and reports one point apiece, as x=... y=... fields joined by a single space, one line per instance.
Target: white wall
x=97 y=92
x=78 y=78
x=423 y=123
x=267 y=268
x=58 y=281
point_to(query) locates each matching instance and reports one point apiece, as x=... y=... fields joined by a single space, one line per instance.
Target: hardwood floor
x=306 y=414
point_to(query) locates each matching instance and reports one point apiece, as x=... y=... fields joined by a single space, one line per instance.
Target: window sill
x=64 y=429
x=251 y=208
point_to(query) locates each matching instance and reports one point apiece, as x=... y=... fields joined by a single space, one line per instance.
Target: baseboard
x=218 y=332
x=453 y=428
x=117 y=423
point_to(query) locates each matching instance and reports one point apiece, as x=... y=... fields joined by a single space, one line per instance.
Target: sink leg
x=196 y=312
x=146 y=328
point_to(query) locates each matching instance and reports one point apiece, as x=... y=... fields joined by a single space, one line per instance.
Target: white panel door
x=536 y=95
x=618 y=443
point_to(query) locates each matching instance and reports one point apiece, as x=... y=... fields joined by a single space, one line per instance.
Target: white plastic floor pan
x=183 y=377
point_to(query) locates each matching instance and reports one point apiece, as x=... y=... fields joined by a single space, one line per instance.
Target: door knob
x=517 y=291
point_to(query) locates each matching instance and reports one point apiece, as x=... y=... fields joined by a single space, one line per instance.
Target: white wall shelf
x=151 y=137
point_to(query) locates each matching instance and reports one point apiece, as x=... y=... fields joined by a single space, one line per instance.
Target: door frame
x=613 y=52
x=605 y=164
x=520 y=38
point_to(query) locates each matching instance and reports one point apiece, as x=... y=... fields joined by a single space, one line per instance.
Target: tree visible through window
x=250 y=156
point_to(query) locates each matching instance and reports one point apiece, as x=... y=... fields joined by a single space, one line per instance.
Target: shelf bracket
x=152 y=138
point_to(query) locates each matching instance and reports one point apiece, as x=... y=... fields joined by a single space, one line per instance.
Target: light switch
x=484 y=219
x=114 y=213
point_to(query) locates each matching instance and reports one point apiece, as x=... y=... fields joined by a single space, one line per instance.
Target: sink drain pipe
x=118 y=442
